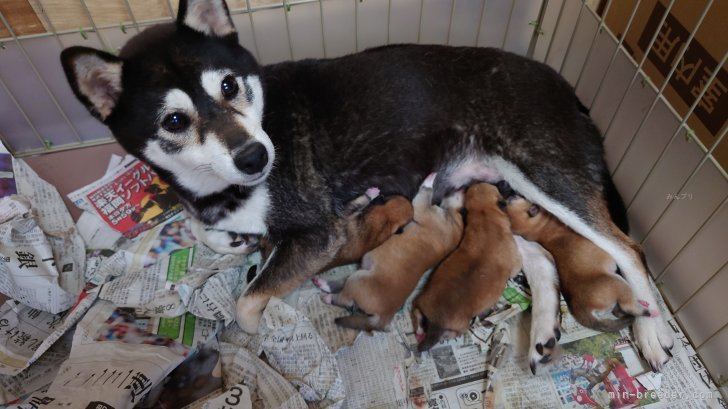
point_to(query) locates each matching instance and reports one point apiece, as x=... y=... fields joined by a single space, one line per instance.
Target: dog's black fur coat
x=385 y=117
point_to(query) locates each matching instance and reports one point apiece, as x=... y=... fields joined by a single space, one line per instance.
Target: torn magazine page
x=131 y=198
x=113 y=362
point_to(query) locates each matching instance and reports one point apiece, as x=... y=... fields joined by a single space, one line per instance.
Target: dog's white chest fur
x=228 y=236
x=250 y=217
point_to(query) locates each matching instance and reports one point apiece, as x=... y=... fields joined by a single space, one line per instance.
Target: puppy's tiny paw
x=327 y=299
x=322 y=284
x=372 y=192
x=544 y=346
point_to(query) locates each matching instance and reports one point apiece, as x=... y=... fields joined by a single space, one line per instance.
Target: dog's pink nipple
x=372 y=192
x=654 y=313
x=420 y=336
x=644 y=303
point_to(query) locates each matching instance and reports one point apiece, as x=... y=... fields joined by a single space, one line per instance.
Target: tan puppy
x=390 y=273
x=473 y=277
x=587 y=275
x=363 y=227
x=376 y=224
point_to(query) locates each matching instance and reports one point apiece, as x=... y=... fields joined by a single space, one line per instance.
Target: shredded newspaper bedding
x=125 y=309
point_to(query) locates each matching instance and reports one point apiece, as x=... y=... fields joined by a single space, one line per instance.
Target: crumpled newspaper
x=42 y=256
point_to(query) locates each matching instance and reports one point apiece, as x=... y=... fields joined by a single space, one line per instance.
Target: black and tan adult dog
x=277 y=150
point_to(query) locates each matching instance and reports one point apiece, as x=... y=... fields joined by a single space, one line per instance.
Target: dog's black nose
x=252 y=159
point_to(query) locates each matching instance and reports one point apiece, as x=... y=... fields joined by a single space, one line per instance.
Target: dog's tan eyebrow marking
x=210 y=81
x=176 y=100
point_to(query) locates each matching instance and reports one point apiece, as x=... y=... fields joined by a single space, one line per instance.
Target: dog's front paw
x=250 y=310
x=545 y=336
x=225 y=242
x=654 y=338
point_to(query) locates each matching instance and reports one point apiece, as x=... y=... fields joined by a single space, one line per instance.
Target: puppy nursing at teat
x=372 y=227
x=597 y=296
x=473 y=277
x=389 y=273
x=367 y=222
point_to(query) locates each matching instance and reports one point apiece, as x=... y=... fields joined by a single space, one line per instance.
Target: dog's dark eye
x=229 y=87
x=176 y=122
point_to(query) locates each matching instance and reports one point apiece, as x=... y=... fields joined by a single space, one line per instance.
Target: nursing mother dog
x=278 y=150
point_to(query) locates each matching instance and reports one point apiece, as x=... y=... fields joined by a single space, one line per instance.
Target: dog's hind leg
x=578 y=202
x=541 y=274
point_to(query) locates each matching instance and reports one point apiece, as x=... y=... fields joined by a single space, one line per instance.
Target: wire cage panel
x=669 y=177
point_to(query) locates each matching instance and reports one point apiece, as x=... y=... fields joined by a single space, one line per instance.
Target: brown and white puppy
x=390 y=273
x=587 y=275
x=473 y=277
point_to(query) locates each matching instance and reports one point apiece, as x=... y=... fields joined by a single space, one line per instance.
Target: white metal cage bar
x=668 y=77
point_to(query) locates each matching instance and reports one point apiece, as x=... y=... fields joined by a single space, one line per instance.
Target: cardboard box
x=696 y=66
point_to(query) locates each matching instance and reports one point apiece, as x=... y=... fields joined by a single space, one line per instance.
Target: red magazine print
x=135 y=201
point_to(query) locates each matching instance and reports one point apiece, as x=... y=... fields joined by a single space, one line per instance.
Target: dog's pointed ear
x=95 y=77
x=209 y=17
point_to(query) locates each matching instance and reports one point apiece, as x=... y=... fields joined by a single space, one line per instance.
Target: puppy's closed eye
x=502 y=204
x=400 y=230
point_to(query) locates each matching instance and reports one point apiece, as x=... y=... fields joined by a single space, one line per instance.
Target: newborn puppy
x=473 y=277
x=390 y=272
x=377 y=223
x=587 y=275
x=368 y=221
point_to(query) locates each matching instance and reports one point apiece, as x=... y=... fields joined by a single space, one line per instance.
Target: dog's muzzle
x=252 y=159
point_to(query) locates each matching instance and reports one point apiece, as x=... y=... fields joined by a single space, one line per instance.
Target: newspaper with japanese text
x=113 y=363
x=41 y=253
x=153 y=326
